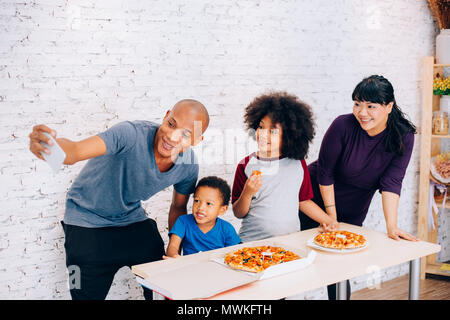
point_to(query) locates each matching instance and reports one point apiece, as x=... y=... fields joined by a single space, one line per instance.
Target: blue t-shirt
x=109 y=189
x=194 y=240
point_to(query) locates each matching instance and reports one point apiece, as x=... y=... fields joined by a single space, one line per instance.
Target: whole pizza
x=340 y=240
x=257 y=259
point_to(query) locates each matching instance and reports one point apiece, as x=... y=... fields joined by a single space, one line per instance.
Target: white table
x=328 y=268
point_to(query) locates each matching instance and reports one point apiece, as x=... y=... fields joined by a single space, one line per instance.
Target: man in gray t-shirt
x=105 y=225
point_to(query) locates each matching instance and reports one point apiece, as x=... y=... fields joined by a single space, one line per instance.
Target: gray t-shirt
x=109 y=189
x=274 y=208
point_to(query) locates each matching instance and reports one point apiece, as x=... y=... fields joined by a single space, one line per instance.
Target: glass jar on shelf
x=440 y=122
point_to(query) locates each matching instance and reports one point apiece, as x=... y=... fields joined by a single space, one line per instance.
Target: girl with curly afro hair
x=294 y=119
x=272 y=184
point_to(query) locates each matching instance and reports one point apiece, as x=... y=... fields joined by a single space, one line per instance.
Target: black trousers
x=94 y=255
x=308 y=223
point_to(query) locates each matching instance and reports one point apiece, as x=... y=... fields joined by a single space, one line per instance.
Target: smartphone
x=57 y=155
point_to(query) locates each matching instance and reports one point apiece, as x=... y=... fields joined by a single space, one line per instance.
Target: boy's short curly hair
x=216 y=183
x=294 y=116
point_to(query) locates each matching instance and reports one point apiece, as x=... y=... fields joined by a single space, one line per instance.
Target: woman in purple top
x=361 y=153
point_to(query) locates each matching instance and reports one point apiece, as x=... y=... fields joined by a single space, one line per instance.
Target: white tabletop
x=328 y=268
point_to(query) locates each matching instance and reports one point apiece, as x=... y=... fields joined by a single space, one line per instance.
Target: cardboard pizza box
x=196 y=280
x=205 y=274
x=307 y=258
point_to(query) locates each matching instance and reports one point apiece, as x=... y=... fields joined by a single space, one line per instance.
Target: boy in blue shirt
x=203 y=230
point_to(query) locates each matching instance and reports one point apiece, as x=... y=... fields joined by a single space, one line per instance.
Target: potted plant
x=441 y=10
x=441 y=86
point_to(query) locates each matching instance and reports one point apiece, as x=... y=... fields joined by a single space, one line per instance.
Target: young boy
x=203 y=230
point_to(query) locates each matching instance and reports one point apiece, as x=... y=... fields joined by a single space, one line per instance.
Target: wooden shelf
x=430 y=146
x=435 y=268
x=440 y=136
x=447 y=203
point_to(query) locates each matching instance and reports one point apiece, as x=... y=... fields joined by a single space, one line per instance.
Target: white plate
x=435 y=174
x=310 y=243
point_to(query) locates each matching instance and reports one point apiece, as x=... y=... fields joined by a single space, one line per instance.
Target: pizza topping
x=340 y=240
x=257 y=259
x=256 y=172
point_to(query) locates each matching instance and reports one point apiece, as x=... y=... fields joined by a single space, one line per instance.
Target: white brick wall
x=82 y=66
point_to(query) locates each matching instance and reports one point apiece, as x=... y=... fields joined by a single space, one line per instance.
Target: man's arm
x=82 y=150
x=178 y=207
x=75 y=151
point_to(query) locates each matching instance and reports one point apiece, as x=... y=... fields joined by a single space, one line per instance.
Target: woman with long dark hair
x=362 y=152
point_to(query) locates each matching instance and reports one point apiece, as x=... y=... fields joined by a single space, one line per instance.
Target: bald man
x=105 y=225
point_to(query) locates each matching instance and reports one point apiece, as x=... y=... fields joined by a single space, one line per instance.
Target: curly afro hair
x=294 y=116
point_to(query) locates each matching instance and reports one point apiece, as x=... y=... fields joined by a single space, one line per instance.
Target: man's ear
x=197 y=141
x=167 y=114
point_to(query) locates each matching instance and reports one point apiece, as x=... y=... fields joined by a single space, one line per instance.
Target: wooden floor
x=436 y=288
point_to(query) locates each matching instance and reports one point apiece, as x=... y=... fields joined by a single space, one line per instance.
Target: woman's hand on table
x=397 y=234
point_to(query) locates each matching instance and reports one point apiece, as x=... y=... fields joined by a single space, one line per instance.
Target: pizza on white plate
x=340 y=240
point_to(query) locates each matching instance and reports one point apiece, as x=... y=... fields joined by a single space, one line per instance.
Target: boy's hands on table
x=172 y=257
x=332 y=226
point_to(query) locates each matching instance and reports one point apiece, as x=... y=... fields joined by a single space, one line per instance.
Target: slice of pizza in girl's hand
x=338 y=241
x=256 y=173
x=268 y=260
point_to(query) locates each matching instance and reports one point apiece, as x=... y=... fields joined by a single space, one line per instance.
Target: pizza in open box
x=257 y=259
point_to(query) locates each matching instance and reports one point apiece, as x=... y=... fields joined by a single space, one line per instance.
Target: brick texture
x=82 y=66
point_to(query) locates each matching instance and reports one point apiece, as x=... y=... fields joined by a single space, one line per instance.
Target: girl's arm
x=313 y=211
x=327 y=193
x=310 y=208
x=390 y=206
x=173 y=248
x=242 y=204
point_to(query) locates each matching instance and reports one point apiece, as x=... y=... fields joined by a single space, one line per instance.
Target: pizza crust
x=257 y=259
x=340 y=240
